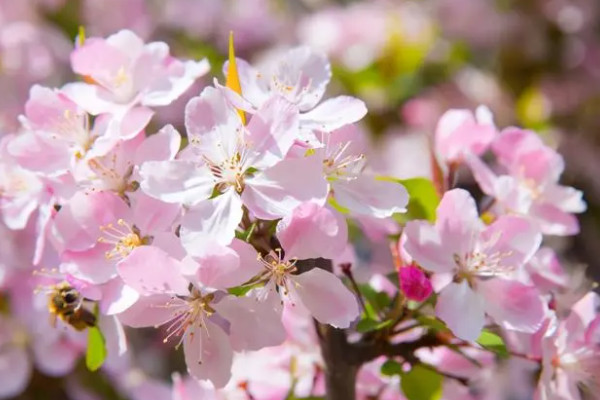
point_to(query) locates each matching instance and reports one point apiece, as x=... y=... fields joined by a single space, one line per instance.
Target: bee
x=66 y=303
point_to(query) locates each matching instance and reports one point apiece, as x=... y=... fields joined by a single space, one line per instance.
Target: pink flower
x=246 y=165
x=414 y=283
x=363 y=194
x=320 y=291
x=209 y=323
x=571 y=353
x=459 y=132
x=530 y=186
x=479 y=262
x=126 y=72
x=301 y=76
x=58 y=132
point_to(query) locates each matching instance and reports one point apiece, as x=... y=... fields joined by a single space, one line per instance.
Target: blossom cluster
x=216 y=236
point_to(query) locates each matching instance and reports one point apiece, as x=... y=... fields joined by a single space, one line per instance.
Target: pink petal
x=161 y=146
x=512 y=304
x=462 y=310
x=117 y=297
x=179 y=83
x=279 y=189
x=312 y=231
x=151 y=215
x=553 y=221
x=92 y=98
x=218 y=218
x=366 y=195
x=211 y=113
x=208 y=354
x=424 y=245
x=334 y=113
x=307 y=71
x=152 y=310
x=326 y=297
x=254 y=324
x=272 y=131
x=485 y=177
x=458 y=132
x=15 y=371
x=77 y=224
x=177 y=181
x=514 y=238
x=55 y=358
x=149 y=270
x=218 y=266
x=458 y=221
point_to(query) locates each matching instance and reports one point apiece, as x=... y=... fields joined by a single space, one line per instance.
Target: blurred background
x=534 y=63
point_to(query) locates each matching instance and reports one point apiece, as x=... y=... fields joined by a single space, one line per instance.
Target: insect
x=66 y=303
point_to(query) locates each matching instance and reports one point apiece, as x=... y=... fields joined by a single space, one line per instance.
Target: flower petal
x=326 y=297
x=512 y=304
x=149 y=270
x=208 y=354
x=312 y=231
x=366 y=195
x=177 y=181
x=462 y=310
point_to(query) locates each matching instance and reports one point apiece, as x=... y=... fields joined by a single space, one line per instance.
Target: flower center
x=228 y=173
x=338 y=165
x=190 y=313
x=277 y=269
x=123 y=237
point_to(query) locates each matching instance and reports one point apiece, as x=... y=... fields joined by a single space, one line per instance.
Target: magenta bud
x=414 y=283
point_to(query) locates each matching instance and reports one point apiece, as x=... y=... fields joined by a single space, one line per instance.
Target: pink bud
x=414 y=283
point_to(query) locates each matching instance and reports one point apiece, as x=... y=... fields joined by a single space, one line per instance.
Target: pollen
x=123 y=237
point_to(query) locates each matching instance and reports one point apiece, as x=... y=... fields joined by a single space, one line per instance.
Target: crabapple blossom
x=479 y=263
x=530 y=185
x=125 y=72
x=301 y=76
x=460 y=131
x=571 y=353
x=252 y=231
x=245 y=164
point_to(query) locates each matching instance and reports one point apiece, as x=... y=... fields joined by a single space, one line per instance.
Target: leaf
x=432 y=323
x=96 y=349
x=241 y=290
x=421 y=383
x=233 y=80
x=391 y=368
x=423 y=198
x=369 y=325
x=490 y=341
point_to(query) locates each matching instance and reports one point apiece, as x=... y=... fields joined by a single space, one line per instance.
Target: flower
x=479 y=263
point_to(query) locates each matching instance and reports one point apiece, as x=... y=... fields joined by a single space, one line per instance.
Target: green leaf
x=368 y=325
x=241 y=290
x=492 y=342
x=423 y=199
x=391 y=367
x=421 y=383
x=96 y=349
x=432 y=323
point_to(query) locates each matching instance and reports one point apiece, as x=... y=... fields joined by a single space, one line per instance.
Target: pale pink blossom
x=245 y=164
x=127 y=72
x=529 y=185
x=301 y=76
x=571 y=353
x=461 y=131
x=208 y=322
x=480 y=263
